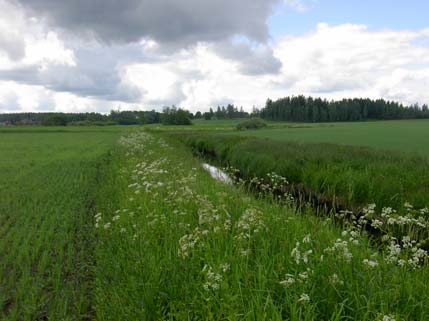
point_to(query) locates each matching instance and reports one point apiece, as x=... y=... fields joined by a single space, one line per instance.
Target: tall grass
x=357 y=176
x=173 y=244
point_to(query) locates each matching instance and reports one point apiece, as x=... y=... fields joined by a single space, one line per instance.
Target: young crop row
x=173 y=244
x=47 y=187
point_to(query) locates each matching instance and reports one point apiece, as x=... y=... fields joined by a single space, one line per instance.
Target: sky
x=98 y=55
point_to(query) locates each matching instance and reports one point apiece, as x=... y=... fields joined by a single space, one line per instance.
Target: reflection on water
x=217 y=174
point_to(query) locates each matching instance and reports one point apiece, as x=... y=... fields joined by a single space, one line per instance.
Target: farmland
x=113 y=223
x=47 y=184
x=408 y=136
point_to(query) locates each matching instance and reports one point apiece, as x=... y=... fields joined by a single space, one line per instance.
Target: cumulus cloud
x=12 y=43
x=11 y=46
x=9 y=102
x=16 y=97
x=167 y=21
x=351 y=60
x=251 y=60
x=92 y=72
x=196 y=54
x=139 y=33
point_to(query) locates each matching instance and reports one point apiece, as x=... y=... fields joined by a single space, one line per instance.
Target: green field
x=122 y=223
x=47 y=185
x=409 y=136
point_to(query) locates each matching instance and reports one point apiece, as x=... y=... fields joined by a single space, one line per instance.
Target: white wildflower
x=306 y=239
x=213 y=279
x=304 y=298
x=334 y=279
x=370 y=263
x=288 y=281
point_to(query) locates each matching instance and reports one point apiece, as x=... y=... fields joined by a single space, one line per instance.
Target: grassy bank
x=173 y=244
x=357 y=176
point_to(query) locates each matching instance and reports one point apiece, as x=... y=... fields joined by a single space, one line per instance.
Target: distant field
x=406 y=135
x=409 y=136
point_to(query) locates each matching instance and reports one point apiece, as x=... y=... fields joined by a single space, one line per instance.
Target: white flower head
x=304 y=298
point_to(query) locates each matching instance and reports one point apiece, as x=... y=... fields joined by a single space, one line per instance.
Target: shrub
x=254 y=123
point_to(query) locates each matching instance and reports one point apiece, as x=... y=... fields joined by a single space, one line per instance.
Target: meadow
x=120 y=223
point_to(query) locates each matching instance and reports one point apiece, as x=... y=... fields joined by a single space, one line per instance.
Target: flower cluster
x=341 y=249
x=213 y=279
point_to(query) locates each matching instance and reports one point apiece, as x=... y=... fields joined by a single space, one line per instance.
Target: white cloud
x=46 y=50
x=332 y=61
x=350 y=60
x=47 y=70
x=299 y=5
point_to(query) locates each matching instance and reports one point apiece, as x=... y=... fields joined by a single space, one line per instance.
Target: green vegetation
x=408 y=136
x=48 y=182
x=253 y=123
x=228 y=112
x=309 y=109
x=293 y=109
x=175 y=244
x=357 y=176
x=81 y=119
x=137 y=230
x=175 y=116
x=55 y=120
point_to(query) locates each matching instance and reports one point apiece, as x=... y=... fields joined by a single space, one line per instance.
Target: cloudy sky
x=96 y=55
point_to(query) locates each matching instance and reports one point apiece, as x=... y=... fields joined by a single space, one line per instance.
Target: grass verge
x=175 y=245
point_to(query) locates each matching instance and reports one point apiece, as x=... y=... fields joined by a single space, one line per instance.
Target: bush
x=254 y=123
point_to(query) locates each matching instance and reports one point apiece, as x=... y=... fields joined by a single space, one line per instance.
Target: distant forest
x=82 y=119
x=308 y=109
x=169 y=116
x=293 y=109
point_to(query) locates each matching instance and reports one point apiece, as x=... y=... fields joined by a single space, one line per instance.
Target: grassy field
x=409 y=136
x=101 y=224
x=48 y=180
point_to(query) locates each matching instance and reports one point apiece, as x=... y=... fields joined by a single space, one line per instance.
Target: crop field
x=125 y=224
x=48 y=180
x=408 y=136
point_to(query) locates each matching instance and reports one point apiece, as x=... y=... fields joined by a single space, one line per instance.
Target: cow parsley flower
x=304 y=298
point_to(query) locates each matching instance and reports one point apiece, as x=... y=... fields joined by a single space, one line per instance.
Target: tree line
x=308 y=109
x=295 y=109
x=169 y=116
x=228 y=112
x=82 y=119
